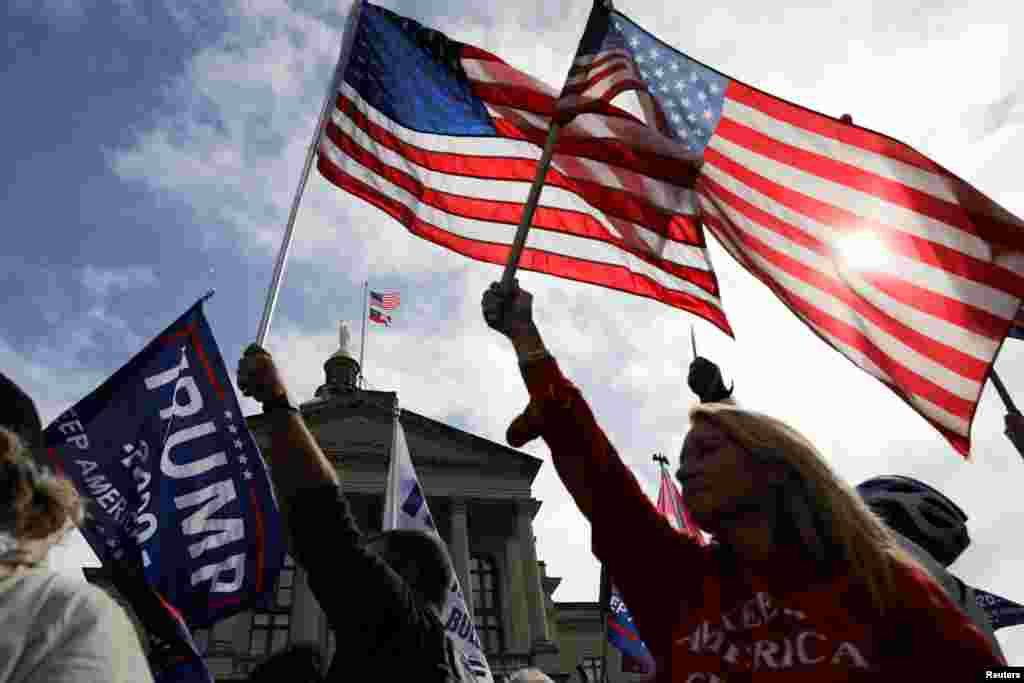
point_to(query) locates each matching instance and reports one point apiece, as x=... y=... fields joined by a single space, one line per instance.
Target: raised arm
x=309 y=490
x=604 y=489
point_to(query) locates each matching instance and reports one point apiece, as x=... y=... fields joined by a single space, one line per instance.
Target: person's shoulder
x=77 y=598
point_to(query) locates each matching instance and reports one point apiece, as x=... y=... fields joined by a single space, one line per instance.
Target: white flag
x=405 y=507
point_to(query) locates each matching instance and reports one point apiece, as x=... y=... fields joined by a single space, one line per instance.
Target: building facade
x=479 y=495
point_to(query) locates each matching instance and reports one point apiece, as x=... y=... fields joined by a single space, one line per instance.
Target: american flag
x=445 y=138
x=892 y=260
x=386 y=300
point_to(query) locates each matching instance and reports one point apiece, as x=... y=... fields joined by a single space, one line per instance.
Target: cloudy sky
x=154 y=147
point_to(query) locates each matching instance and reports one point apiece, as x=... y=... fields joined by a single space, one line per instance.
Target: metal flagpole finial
x=660 y=459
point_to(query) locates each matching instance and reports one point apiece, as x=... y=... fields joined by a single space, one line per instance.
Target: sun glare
x=861 y=250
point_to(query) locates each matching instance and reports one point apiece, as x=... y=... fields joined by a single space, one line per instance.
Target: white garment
x=55 y=629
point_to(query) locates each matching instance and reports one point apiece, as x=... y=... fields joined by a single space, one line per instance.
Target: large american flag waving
x=895 y=262
x=446 y=137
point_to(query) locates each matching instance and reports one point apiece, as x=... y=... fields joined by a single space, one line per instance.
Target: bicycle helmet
x=920 y=513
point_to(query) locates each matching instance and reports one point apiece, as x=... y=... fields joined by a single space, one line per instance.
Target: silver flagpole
x=286 y=243
x=362 y=344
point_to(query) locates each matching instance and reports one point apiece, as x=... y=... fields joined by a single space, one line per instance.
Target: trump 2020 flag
x=622 y=633
x=405 y=507
x=176 y=483
x=1001 y=611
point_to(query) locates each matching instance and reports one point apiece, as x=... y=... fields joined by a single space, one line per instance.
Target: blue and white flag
x=405 y=507
x=176 y=483
x=1001 y=611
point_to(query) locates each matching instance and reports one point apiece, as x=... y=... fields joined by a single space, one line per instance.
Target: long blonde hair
x=831 y=519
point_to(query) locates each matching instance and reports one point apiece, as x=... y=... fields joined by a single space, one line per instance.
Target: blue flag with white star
x=176 y=485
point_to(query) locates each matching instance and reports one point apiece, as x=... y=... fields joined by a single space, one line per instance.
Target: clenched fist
x=258 y=377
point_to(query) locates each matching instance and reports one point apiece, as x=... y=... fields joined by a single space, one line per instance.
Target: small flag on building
x=386 y=300
x=379 y=316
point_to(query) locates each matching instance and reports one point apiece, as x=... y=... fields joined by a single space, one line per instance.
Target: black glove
x=705 y=380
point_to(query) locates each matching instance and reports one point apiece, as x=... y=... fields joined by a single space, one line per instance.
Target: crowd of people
x=806 y=577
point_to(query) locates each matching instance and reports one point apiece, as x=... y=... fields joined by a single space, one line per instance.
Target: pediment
x=357 y=427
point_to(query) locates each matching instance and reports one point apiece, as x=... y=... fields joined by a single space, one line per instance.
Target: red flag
x=670 y=504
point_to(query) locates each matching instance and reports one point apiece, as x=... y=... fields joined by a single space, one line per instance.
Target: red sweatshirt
x=706 y=620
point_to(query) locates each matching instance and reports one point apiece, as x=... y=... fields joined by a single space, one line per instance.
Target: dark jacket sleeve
x=652 y=564
x=366 y=602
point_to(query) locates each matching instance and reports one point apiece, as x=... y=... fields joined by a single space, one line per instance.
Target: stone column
x=534 y=589
x=518 y=603
x=459 y=546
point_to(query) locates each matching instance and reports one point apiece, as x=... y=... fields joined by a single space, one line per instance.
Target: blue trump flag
x=179 y=492
x=622 y=632
x=1001 y=611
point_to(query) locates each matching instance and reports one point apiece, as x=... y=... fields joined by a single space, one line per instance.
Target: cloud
x=234 y=147
x=101 y=281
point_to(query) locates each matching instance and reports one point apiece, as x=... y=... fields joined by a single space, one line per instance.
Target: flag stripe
x=813 y=122
x=489 y=202
x=625 y=200
x=947 y=365
x=648 y=284
x=938 y=220
x=934 y=401
x=846 y=210
x=493 y=195
x=978 y=329
x=899 y=171
x=754 y=171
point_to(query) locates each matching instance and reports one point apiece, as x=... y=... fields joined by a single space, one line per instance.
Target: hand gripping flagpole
x=286 y=242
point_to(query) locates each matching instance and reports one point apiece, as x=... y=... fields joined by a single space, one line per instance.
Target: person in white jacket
x=53 y=628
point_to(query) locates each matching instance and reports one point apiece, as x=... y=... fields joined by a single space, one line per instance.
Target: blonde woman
x=803 y=582
x=53 y=629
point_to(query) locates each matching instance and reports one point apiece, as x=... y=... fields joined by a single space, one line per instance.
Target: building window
x=483 y=578
x=271 y=626
x=269 y=633
x=594 y=668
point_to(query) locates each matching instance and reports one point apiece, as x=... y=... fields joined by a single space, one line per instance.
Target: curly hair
x=34 y=504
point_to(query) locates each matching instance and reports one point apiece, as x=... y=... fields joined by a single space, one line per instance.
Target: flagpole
x=1003 y=393
x=362 y=344
x=286 y=242
x=531 y=205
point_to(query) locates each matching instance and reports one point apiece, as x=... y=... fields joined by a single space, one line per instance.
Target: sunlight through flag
x=889 y=258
